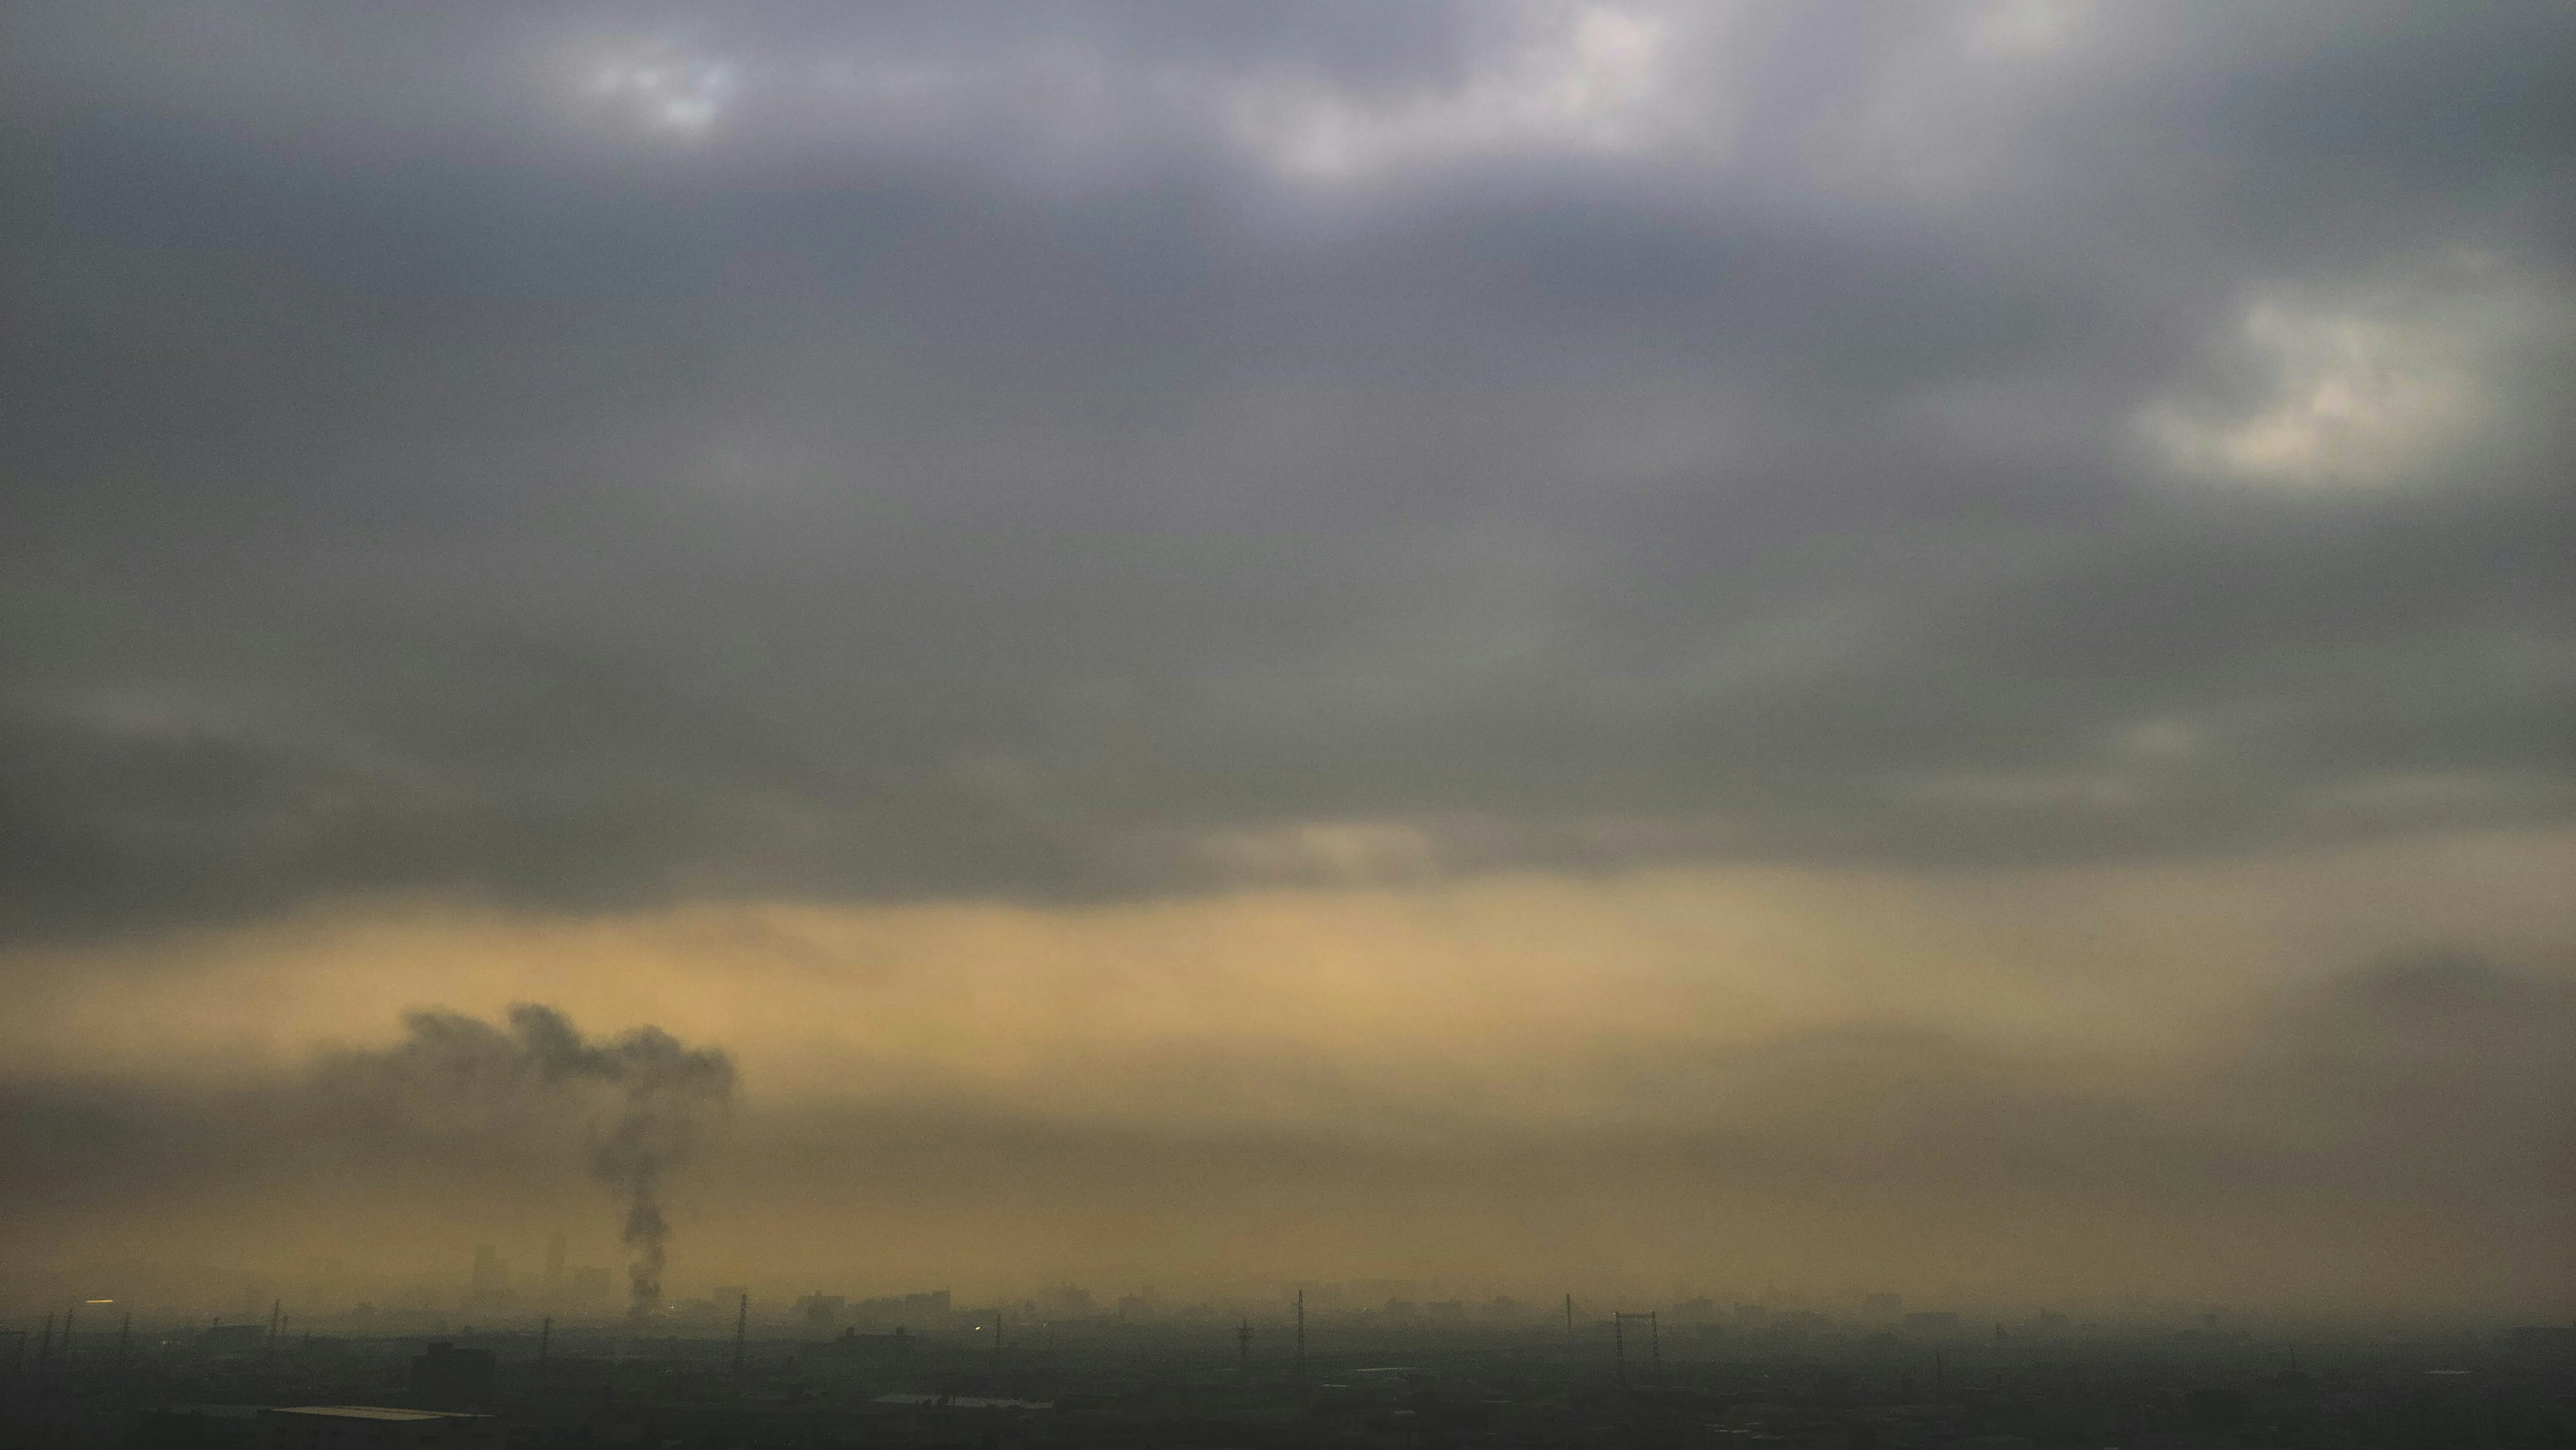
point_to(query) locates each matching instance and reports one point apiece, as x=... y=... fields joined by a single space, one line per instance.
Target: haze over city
x=1816 y=656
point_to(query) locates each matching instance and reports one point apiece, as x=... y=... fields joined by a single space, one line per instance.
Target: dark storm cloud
x=588 y=455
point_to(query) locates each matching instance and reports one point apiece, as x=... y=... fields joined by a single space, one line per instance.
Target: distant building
x=488 y=1291
x=448 y=1378
x=554 y=1279
x=1936 y=1322
x=820 y=1310
x=1067 y=1301
x=491 y=1271
x=932 y=1307
x=1883 y=1307
x=369 y=1427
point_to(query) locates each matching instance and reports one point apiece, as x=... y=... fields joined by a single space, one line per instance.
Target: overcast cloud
x=592 y=454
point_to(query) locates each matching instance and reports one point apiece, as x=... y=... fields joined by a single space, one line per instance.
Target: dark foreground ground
x=1157 y=1385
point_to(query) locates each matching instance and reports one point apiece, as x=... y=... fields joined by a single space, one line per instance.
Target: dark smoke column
x=644 y=1102
x=668 y=1092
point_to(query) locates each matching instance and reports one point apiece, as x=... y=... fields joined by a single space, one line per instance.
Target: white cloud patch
x=1596 y=79
x=1586 y=78
x=2026 y=27
x=665 y=89
x=2373 y=387
x=2162 y=741
x=1328 y=852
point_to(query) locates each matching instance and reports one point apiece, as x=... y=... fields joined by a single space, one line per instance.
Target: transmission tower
x=1619 y=1323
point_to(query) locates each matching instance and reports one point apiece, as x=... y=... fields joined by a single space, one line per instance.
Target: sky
x=1852 y=645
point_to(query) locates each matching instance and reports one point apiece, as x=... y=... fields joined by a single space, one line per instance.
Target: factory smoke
x=640 y=1104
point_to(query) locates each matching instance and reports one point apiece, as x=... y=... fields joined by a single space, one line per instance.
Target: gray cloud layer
x=585 y=455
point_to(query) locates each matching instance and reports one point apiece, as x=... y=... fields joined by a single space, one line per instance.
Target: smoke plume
x=638 y=1104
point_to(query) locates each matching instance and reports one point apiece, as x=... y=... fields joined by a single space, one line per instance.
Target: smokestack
x=741 y=1326
x=647 y=1233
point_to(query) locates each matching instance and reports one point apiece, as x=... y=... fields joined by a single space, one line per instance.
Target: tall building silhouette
x=491 y=1271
